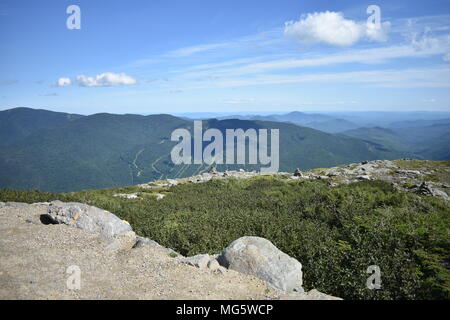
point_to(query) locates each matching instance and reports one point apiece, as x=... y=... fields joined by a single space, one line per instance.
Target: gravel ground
x=34 y=258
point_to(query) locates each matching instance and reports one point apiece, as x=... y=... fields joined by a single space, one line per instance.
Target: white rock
x=260 y=258
x=122 y=241
x=200 y=261
x=88 y=218
x=213 y=264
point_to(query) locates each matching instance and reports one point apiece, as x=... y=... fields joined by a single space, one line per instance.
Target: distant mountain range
x=317 y=121
x=423 y=134
x=335 y=122
x=62 y=152
x=426 y=139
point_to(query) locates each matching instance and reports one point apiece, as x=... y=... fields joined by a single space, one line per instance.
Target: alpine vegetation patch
x=233 y=147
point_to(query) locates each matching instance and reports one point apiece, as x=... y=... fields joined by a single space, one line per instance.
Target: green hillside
x=105 y=150
x=18 y=123
x=430 y=142
x=386 y=138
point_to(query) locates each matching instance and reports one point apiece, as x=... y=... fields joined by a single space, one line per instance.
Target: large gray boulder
x=260 y=258
x=88 y=218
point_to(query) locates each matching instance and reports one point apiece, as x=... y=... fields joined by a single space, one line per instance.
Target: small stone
x=160 y=196
x=200 y=261
x=220 y=270
x=123 y=241
x=213 y=170
x=213 y=264
x=172 y=182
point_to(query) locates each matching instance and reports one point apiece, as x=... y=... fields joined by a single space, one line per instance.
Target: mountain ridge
x=104 y=150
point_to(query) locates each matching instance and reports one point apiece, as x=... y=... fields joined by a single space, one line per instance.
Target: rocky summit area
x=430 y=178
x=42 y=244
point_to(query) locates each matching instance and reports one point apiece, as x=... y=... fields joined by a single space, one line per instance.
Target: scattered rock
x=385 y=170
x=200 y=261
x=141 y=241
x=440 y=193
x=213 y=264
x=426 y=189
x=172 y=182
x=213 y=170
x=409 y=172
x=160 y=196
x=260 y=258
x=126 y=195
x=220 y=270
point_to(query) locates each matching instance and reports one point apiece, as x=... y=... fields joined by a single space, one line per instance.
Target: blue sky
x=224 y=56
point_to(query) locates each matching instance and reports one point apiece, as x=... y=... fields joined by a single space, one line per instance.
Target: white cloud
x=324 y=27
x=107 y=79
x=332 y=28
x=447 y=57
x=63 y=82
